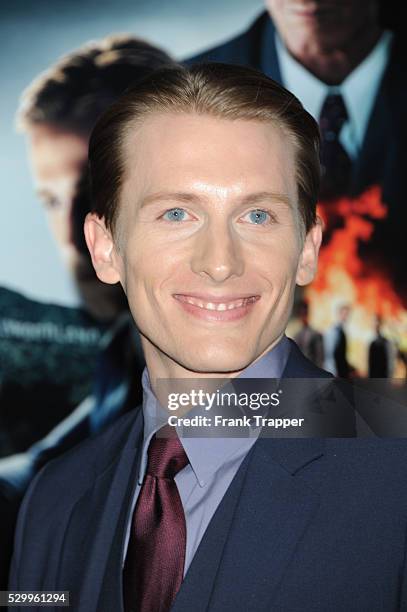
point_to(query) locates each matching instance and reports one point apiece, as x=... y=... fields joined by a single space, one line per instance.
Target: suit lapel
x=369 y=168
x=200 y=577
x=274 y=510
x=383 y=130
x=94 y=524
x=267 y=60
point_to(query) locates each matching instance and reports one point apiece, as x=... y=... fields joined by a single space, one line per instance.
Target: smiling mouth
x=217 y=306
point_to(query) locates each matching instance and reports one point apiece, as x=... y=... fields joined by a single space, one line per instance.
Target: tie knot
x=166 y=455
x=333 y=115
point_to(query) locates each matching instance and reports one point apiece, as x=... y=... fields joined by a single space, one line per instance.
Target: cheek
x=279 y=297
x=144 y=267
x=278 y=265
x=151 y=260
x=59 y=224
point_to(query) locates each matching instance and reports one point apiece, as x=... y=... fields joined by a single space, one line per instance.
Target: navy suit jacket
x=306 y=524
x=383 y=157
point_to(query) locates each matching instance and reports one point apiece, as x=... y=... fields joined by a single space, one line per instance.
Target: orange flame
x=343 y=277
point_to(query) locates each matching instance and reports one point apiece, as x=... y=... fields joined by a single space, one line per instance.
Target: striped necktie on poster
x=335 y=162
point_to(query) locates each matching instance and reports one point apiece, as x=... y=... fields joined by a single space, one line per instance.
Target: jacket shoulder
x=240 y=49
x=299 y=366
x=81 y=464
x=381 y=462
x=53 y=494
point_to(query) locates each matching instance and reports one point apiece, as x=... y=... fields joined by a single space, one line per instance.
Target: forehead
x=202 y=152
x=54 y=151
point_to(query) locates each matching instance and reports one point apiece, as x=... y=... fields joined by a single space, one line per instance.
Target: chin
x=215 y=361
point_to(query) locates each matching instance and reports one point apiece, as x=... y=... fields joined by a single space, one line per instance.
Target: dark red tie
x=154 y=565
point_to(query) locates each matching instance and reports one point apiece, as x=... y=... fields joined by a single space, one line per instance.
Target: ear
x=307 y=266
x=102 y=250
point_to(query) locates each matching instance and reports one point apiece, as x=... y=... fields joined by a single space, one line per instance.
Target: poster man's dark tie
x=335 y=162
x=154 y=565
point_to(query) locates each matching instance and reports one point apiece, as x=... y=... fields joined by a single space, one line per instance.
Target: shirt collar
x=359 y=89
x=207 y=455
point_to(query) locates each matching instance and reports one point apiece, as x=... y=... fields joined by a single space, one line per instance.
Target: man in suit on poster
x=205 y=184
x=57 y=113
x=346 y=62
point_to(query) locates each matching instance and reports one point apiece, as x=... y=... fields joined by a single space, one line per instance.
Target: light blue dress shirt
x=358 y=90
x=213 y=461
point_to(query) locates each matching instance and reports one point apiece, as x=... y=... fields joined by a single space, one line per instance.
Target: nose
x=217 y=254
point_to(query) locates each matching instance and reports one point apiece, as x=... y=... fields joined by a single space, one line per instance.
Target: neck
x=161 y=366
x=332 y=65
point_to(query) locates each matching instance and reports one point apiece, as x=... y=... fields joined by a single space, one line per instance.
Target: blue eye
x=258 y=216
x=175 y=214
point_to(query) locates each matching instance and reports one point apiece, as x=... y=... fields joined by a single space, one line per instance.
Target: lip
x=217 y=299
x=217 y=308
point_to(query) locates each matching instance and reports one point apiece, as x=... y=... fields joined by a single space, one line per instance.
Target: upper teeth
x=215 y=306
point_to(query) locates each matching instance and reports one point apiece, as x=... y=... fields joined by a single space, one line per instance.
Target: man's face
x=326 y=24
x=344 y=313
x=208 y=239
x=58 y=159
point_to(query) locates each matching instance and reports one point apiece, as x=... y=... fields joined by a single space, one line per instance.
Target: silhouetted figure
x=380 y=355
x=335 y=344
x=309 y=339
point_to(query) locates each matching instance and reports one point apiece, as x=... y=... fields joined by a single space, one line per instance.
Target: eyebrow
x=191 y=198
